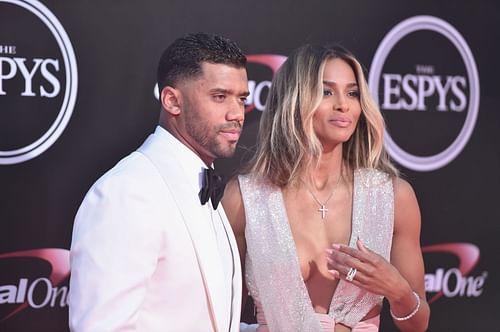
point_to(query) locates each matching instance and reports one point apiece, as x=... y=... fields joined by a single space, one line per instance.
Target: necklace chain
x=323 y=209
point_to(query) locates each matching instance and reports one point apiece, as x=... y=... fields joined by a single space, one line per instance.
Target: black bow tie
x=213 y=187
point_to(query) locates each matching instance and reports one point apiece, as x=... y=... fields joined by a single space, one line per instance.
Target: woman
x=325 y=227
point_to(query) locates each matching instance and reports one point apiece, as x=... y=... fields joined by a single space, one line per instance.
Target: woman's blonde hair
x=287 y=143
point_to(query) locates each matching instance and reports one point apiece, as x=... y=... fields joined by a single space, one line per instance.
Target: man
x=146 y=254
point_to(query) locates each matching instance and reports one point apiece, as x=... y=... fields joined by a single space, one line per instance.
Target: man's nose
x=236 y=111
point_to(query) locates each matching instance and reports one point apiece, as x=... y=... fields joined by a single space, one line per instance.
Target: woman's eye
x=327 y=92
x=354 y=93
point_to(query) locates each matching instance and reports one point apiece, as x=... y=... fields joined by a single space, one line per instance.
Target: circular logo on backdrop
x=38 y=80
x=425 y=79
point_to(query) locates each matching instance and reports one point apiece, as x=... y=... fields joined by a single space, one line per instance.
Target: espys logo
x=431 y=92
x=38 y=80
x=257 y=88
x=456 y=281
x=39 y=292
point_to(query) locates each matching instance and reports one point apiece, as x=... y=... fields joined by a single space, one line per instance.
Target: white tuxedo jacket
x=143 y=255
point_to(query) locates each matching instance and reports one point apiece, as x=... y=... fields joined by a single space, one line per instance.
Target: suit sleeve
x=116 y=243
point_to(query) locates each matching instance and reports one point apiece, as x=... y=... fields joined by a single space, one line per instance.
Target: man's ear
x=171 y=100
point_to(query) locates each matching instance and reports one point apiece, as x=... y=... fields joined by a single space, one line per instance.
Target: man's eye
x=219 y=98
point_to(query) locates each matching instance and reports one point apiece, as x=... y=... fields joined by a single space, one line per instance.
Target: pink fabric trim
x=326 y=322
x=369 y=325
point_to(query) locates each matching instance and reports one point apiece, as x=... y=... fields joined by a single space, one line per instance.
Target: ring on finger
x=350 y=274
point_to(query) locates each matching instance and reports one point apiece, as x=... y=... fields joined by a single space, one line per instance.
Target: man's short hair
x=183 y=58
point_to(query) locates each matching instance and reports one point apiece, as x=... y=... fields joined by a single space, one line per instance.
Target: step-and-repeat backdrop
x=77 y=93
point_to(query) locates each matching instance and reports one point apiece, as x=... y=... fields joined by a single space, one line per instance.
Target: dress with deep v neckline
x=273 y=272
x=288 y=228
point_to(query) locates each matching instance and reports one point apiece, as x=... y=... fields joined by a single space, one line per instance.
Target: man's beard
x=206 y=136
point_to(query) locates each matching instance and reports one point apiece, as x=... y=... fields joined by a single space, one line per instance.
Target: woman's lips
x=341 y=122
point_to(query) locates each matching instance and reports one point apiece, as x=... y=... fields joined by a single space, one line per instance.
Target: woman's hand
x=373 y=273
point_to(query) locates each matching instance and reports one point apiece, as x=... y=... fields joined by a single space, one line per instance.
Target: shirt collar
x=190 y=162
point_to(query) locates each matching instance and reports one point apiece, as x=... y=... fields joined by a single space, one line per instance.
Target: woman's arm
x=398 y=279
x=233 y=206
x=406 y=257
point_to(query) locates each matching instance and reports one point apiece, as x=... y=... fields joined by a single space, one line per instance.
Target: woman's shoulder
x=403 y=191
x=372 y=177
x=243 y=183
x=254 y=181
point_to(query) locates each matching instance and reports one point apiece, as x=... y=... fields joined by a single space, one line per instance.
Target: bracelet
x=411 y=314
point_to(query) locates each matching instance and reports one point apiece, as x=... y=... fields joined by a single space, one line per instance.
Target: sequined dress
x=273 y=273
